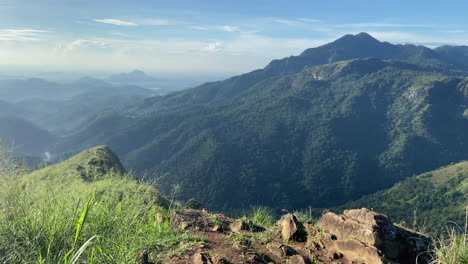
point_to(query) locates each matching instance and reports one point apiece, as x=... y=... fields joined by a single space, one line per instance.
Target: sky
x=206 y=36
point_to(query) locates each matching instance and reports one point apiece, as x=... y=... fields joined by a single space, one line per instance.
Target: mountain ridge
x=326 y=131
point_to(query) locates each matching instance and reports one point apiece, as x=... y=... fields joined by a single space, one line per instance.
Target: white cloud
x=213 y=47
x=20 y=34
x=230 y=28
x=289 y=22
x=84 y=43
x=157 y=22
x=116 y=22
x=309 y=20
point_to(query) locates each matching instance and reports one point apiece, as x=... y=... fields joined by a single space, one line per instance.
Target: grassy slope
x=438 y=196
x=40 y=211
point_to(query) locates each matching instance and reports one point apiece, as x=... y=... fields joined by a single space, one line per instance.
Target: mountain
x=435 y=198
x=34 y=88
x=63 y=108
x=457 y=55
x=24 y=137
x=320 y=137
x=348 y=47
x=361 y=45
x=133 y=77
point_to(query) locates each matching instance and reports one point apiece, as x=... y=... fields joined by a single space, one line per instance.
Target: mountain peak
x=361 y=38
x=131 y=77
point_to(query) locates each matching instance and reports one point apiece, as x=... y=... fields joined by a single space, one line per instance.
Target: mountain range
x=336 y=122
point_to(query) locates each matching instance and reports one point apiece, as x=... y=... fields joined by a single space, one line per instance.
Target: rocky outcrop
x=362 y=234
x=199 y=219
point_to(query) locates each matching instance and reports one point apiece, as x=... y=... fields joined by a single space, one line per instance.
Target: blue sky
x=206 y=36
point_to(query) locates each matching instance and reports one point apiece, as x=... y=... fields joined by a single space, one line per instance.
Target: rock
x=288 y=225
x=238 y=226
x=355 y=250
x=242 y=225
x=279 y=250
x=297 y=259
x=373 y=235
x=291 y=228
x=196 y=219
x=201 y=258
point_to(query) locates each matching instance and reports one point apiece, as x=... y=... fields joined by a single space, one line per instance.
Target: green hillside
x=436 y=197
x=320 y=137
x=87 y=203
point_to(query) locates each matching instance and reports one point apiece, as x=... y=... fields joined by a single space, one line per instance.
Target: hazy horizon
x=203 y=37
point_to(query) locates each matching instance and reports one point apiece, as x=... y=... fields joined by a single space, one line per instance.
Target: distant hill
x=8 y=109
x=436 y=197
x=133 y=77
x=39 y=89
x=24 y=137
x=62 y=108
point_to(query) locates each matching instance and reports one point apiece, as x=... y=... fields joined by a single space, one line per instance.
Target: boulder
x=355 y=250
x=288 y=225
x=374 y=236
x=279 y=250
x=238 y=226
x=291 y=228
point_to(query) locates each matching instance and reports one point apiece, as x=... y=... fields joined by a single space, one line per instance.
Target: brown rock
x=288 y=225
x=376 y=231
x=201 y=258
x=356 y=251
x=297 y=259
x=279 y=250
x=238 y=226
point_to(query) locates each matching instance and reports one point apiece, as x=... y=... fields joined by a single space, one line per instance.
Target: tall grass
x=452 y=249
x=48 y=220
x=262 y=216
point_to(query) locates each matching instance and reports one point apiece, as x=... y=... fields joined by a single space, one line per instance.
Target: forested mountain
x=319 y=137
x=429 y=201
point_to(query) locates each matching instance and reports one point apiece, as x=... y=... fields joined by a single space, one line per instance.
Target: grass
x=454 y=248
x=262 y=216
x=56 y=215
